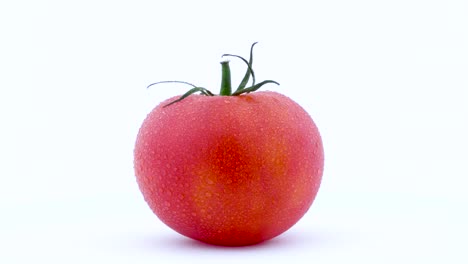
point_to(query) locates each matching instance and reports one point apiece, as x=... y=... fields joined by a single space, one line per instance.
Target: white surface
x=385 y=81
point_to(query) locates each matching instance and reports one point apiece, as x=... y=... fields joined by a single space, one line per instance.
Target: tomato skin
x=229 y=170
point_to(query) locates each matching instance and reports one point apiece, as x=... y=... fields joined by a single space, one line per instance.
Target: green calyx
x=226 y=89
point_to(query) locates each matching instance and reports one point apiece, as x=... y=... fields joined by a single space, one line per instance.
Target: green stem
x=225 y=79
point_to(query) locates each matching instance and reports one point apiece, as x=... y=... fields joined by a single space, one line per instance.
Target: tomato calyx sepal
x=226 y=89
x=249 y=71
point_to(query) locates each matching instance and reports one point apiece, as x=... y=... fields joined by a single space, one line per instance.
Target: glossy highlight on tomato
x=229 y=170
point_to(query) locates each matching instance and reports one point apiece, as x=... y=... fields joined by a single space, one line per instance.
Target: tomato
x=229 y=170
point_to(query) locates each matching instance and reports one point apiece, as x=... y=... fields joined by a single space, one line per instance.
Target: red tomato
x=229 y=170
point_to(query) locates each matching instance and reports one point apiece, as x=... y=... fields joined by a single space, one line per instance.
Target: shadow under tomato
x=289 y=240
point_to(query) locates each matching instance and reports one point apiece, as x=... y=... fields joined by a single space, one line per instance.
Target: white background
x=385 y=81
